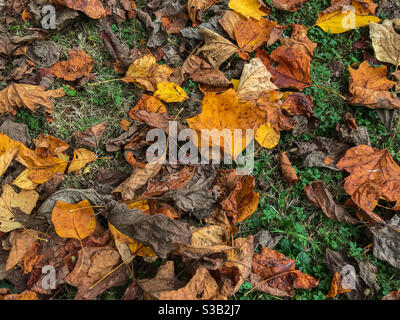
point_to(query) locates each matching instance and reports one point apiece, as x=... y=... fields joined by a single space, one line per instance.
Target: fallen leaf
x=149 y=104
x=236 y=194
x=78 y=65
x=75 y=221
x=373 y=175
x=18 y=95
x=196 y=9
x=321 y=197
x=216 y=49
x=224 y=111
x=386 y=42
x=267 y=136
x=288 y=5
x=158 y=231
x=249 y=8
x=290 y=63
x=228 y=21
x=80 y=159
x=254 y=80
x=393 y=295
x=93 y=8
x=369 y=87
x=24 y=200
x=49 y=146
x=288 y=172
x=336 y=287
x=21 y=242
x=170 y=92
x=146 y=73
x=91 y=136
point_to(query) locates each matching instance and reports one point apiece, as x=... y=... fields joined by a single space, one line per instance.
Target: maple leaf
x=292 y=59
x=369 y=87
x=77 y=66
x=373 y=175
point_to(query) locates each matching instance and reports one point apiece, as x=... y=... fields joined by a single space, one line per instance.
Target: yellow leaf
x=81 y=158
x=146 y=73
x=170 y=92
x=248 y=8
x=23 y=182
x=73 y=220
x=266 y=136
x=339 y=22
x=8 y=151
x=25 y=200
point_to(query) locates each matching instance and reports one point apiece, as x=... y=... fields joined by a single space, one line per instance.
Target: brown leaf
x=288 y=172
x=27 y=96
x=21 y=243
x=369 y=87
x=48 y=146
x=373 y=175
x=216 y=49
x=77 y=66
x=196 y=9
x=292 y=59
x=236 y=193
x=321 y=197
x=336 y=286
x=393 y=295
x=288 y=5
x=91 y=136
x=93 y=8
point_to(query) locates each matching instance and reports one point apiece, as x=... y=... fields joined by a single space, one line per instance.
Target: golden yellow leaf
x=339 y=22
x=248 y=8
x=8 y=151
x=146 y=73
x=73 y=220
x=267 y=136
x=25 y=201
x=170 y=92
x=23 y=182
x=81 y=158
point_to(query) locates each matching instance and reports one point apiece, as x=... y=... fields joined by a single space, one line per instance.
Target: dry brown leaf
x=292 y=59
x=336 y=286
x=93 y=8
x=373 y=175
x=254 y=81
x=216 y=49
x=386 y=42
x=228 y=21
x=18 y=95
x=21 y=242
x=78 y=65
x=369 y=87
x=91 y=136
x=288 y=5
x=288 y=172
x=196 y=9
x=321 y=197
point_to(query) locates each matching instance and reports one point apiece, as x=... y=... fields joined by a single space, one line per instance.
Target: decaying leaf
x=373 y=175
x=18 y=95
x=196 y=9
x=321 y=197
x=24 y=200
x=288 y=172
x=48 y=146
x=216 y=49
x=93 y=8
x=288 y=5
x=386 y=42
x=21 y=242
x=369 y=87
x=78 y=65
x=336 y=286
x=91 y=136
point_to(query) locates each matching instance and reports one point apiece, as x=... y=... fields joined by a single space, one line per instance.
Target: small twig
x=330 y=90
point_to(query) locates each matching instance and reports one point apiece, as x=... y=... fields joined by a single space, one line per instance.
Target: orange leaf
x=73 y=220
x=77 y=66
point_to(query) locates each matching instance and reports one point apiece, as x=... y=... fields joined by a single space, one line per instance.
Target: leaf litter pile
x=182 y=223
